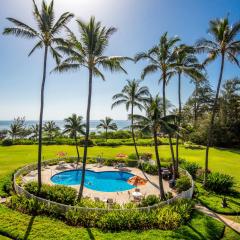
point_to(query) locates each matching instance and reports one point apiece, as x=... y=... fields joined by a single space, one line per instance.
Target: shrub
x=6 y=186
x=192 y=168
x=150 y=200
x=183 y=184
x=219 y=183
x=56 y=193
x=7 y=142
x=89 y=143
x=149 y=168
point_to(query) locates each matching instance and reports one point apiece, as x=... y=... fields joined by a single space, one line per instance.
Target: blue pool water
x=108 y=181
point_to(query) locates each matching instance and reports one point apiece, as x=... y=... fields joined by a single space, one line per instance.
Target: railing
x=64 y=208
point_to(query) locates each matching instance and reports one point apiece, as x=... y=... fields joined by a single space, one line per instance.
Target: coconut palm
x=88 y=51
x=51 y=129
x=17 y=128
x=46 y=34
x=161 y=58
x=155 y=122
x=74 y=126
x=132 y=95
x=34 y=129
x=224 y=43
x=188 y=65
x=107 y=124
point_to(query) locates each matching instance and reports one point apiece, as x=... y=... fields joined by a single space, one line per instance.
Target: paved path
x=233 y=225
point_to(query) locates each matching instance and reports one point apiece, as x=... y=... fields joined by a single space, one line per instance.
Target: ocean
x=121 y=124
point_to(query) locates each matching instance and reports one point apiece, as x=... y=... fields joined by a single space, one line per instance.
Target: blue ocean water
x=107 y=181
x=122 y=124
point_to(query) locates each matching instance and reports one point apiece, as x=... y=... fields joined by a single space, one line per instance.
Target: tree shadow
x=90 y=234
x=29 y=228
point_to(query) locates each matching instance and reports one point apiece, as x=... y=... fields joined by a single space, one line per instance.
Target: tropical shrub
x=183 y=184
x=219 y=183
x=191 y=167
x=7 y=142
x=56 y=193
x=150 y=200
x=149 y=168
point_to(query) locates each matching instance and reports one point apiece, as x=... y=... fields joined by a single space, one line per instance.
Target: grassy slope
x=226 y=161
x=229 y=234
x=22 y=226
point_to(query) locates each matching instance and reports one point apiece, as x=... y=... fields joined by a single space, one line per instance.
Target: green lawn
x=225 y=161
x=22 y=226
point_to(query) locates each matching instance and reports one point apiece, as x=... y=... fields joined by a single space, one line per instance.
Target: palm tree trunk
x=106 y=134
x=78 y=157
x=195 y=105
x=133 y=135
x=87 y=134
x=41 y=120
x=169 y=136
x=179 y=120
x=214 y=110
x=161 y=190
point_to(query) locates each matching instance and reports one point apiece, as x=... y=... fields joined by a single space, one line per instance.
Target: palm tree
x=34 y=129
x=162 y=59
x=224 y=44
x=17 y=127
x=107 y=124
x=154 y=121
x=51 y=129
x=46 y=35
x=186 y=64
x=74 y=126
x=132 y=95
x=88 y=52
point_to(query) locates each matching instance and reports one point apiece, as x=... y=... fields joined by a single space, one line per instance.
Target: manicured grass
x=22 y=226
x=229 y=234
x=213 y=201
x=4 y=238
x=225 y=161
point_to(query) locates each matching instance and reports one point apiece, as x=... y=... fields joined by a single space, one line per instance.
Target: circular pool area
x=106 y=181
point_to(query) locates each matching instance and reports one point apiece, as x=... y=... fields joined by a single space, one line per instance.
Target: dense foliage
x=56 y=193
x=183 y=184
x=219 y=183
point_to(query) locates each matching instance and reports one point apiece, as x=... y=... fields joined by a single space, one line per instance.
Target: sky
x=140 y=24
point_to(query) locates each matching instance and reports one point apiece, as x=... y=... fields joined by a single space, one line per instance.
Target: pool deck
x=151 y=187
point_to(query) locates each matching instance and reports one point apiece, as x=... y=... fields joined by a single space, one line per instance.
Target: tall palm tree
x=154 y=121
x=88 y=51
x=46 y=34
x=132 y=95
x=186 y=64
x=161 y=59
x=107 y=124
x=226 y=45
x=51 y=129
x=74 y=126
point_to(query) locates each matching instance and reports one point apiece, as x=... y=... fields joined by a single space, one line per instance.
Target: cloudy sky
x=140 y=24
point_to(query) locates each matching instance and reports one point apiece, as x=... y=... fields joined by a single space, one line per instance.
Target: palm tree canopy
x=88 y=50
x=187 y=62
x=107 y=124
x=154 y=118
x=50 y=128
x=132 y=94
x=224 y=41
x=160 y=58
x=47 y=30
x=74 y=126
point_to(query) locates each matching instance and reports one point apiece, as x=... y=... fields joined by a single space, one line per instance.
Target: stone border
x=64 y=208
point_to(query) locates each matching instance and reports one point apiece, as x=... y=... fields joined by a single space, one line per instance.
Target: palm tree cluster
x=86 y=49
x=107 y=124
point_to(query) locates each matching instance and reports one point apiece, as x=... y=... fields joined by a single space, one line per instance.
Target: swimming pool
x=107 y=181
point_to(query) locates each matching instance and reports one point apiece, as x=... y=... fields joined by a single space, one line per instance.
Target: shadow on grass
x=29 y=228
x=90 y=234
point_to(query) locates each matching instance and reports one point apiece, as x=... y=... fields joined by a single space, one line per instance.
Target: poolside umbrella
x=137 y=181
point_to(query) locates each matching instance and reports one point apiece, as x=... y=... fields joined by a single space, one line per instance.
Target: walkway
x=233 y=225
